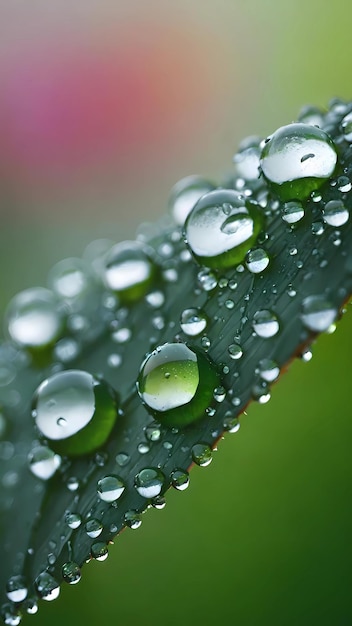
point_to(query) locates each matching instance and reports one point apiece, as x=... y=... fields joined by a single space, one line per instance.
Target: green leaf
x=256 y=322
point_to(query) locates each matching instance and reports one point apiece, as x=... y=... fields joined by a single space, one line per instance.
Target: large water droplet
x=43 y=462
x=222 y=227
x=265 y=323
x=47 y=587
x=292 y=212
x=99 y=551
x=318 y=313
x=132 y=519
x=129 y=270
x=10 y=615
x=71 y=573
x=185 y=194
x=110 y=488
x=202 y=454
x=193 y=322
x=346 y=125
x=335 y=213
x=297 y=159
x=176 y=383
x=34 y=318
x=16 y=589
x=149 y=482
x=75 y=411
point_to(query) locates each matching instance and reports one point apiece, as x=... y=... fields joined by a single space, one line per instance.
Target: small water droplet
x=318 y=313
x=73 y=520
x=292 y=212
x=122 y=459
x=231 y=423
x=346 y=126
x=202 y=454
x=43 y=462
x=265 y=324
x=132 y=519
x=268 y=370
x=149 y=482
x=71 y=573
x=47 y=587
x=193 y=322
x=335 y=213
x=110 y=488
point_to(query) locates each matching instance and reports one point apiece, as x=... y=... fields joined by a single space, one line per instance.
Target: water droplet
x=193 y=322
x=231 y=423
x=35 y=318
x=222 y=227
x=73 y=520
x=335 y=213
x=75 y=411
x=155 y=299
x=110 y=488
x=47 y=587
x=318 y=313
x=132 y=519
x=268 y=370
x=16 y=589
x=180 y=479
x=176 y=383
x=265 y=324
x=207 y=280
x=10 y=615
x=43 y=462
x=31 y=606
x=185 y=194
x=246 y=163
x=99 y=551
x=122 y=459
x=297 y=159
x=235 y=351
x=114 y=360
x=129 y=270
x=202 y=454
x=70 y=278
x=149 y=482
x=257 y=260
x=219 y=394
x=307 y=355
x=346 y=126
x=71 y=573
x=292 y=212
x=122 y=335
x=311 y=115
x=72 y=483
x=158 y=503
x=93 y=528
x=66 y=350
x=344 y=184
x=153 y=432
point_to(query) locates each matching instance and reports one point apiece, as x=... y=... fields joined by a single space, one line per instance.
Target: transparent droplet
x=335 y=213
x=43 y=462
x=10 y=615
x=265 y=324
x=292 y=212
x=66 y=350
x=71 y=573
x=132 y=519
x=110 y=488
x=122 y=459
x=70 y=278
x=221 y=228
x=219 y=394
x=202 y=454
x=235 y=351
x=344 y=184
x=180 y=479
x=16 y=589
x=129 y=270
x=35 y=318
x=176 y=383
x=153 y=432
x=47 y=587
x=72 y=483
x=346 y=126
x=99 y=551
x=297 y=159
x=247 y=163
x=143 y=448
x=318 y=313
x=122 y=335
x=257 y=260
x=75 y=411
x=185 y=194
x=155 y=299
x=93 y=528
x=231 y=423
x=268 y=370
x=193 y=322
x=149 y=482
x=73 y=520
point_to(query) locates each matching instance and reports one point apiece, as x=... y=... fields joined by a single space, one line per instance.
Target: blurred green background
x=104 y=105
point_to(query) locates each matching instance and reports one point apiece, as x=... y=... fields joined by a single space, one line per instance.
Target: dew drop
x=73 y=520
x=180 y=479
x=265 y=324
x=202 y=454
x=93 y=528
x=318 y=313
x=185 y=194
x=235 y=351
x=292 y=212
x=16 y=589
x=231 y=423
x=268 y=370
x=34 y=318
x=257 y=260
x=222 y=227
x=176 y=383
x=99 y=551
x=129 y=270
x=122 y=459
x=207 y=280
x=193 y=322
x=10 y=615
x=74 y=411
x=71 y=573
x=132 y=519
x=70 y=278
x=43 y=462
x=110 y=488
x=149 y=482
x=47 y=587
x=153 y=432
x=297 y=159
x=335 y=213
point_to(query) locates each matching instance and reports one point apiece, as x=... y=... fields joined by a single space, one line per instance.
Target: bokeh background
x=104 y=105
